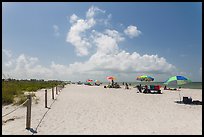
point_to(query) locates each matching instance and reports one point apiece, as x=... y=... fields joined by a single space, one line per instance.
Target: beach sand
x=82 y=109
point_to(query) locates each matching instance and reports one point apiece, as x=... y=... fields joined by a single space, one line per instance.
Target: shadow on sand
x=195 y=102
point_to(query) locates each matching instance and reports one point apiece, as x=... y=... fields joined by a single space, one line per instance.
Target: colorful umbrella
x=145 y=78
x=96 y=81
x=177 y=80
x=110 y=78
x=89 y=80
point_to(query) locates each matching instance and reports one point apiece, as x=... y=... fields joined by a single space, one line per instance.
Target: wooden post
x=28 y=116
x=56 y=90
x=52 y=92
x=46 y=98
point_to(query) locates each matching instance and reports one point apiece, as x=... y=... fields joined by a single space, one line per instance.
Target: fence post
x=28 y=116
x=46 y=98
x=52 y=92
x=56 y=90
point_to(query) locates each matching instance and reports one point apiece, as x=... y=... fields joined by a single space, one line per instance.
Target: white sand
x=81 y=109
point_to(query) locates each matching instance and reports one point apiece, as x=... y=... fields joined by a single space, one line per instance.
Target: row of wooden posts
x=29 y=103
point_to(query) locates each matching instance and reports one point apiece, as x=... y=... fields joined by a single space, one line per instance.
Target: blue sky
x=77 y=41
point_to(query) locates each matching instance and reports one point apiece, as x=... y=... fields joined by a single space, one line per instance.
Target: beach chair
x=153 y=89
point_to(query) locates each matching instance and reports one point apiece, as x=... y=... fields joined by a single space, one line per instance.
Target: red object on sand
x=157 y=87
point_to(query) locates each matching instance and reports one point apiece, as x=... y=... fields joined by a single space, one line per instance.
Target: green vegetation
x=12 y=89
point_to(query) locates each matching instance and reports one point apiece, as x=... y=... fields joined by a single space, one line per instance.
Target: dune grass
x=12 y=89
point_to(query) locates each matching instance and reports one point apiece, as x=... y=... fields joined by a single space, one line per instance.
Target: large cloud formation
x=107 y=57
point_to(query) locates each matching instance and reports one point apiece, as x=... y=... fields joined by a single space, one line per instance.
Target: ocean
x=192 y=85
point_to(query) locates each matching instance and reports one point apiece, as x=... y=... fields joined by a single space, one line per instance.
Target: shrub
x=13 y=90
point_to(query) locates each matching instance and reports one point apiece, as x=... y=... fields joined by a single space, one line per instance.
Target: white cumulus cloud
x=77 y=33
x=8 y=53
x=93 y=11
x=109 y=58
x=73 y=18
x=26 y=67
x=132 y=31
x=75 y=36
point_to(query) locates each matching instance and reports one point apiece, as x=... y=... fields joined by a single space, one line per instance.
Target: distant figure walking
x=146 y=89
x=126 y=86
x=165 y=87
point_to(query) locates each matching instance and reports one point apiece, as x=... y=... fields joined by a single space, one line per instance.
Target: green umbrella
x=177 y=80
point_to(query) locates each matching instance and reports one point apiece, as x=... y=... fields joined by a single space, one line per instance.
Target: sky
x=92 y=40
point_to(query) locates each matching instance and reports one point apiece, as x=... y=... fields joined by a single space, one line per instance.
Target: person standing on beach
x=165 y=87
x=139 y=88
x=126 y=86
x=112 y=83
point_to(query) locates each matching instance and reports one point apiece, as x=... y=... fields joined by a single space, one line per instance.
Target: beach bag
x=185 y=100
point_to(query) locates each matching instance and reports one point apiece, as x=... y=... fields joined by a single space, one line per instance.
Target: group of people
x=113 y=85
x=141 y=89
x=149 y=89
x=126 y=85
x=116 y=85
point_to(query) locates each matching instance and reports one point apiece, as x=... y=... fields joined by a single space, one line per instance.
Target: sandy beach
x=82 y=109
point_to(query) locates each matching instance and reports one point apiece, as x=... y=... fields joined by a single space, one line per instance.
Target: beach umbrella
x=145 y=78
x=89 y=80
x=110 y=78
x=96 y=81
x=176 y=81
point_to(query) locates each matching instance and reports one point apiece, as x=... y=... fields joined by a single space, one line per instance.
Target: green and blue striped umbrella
x=177 y=80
